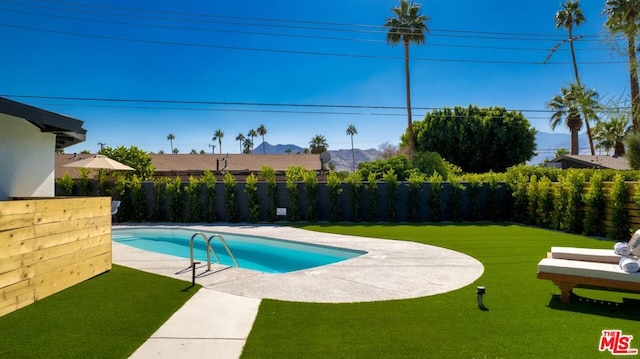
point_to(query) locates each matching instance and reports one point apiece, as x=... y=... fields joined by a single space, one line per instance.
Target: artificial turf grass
x=524 y=319
x=108 y=316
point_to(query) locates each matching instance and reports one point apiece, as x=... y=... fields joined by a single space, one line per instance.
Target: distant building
x=186 y=165
x=589 y=161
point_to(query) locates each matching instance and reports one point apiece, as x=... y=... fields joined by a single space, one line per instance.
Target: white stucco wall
x=27 y=161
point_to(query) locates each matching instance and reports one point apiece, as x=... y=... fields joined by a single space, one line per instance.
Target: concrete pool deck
x=219 y=317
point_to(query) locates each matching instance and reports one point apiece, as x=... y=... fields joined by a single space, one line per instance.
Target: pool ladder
x=210 y=249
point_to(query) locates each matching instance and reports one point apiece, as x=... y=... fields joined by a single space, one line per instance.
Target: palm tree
x=218 y=136
x=351 y=130
x=569 y=16
x=408 y=26
x=251 y=134
x=248 y=145
x=622 y=18
x=318 y=144
x=240 y=138
x=262 y=131
x=610 y=134
x=573 y=100
x=561 y=152
x=171 y=137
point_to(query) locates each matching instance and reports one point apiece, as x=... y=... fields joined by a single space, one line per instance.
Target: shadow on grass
x=628 y=309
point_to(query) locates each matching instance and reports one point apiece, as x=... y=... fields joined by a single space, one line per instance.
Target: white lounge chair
x=114 y=209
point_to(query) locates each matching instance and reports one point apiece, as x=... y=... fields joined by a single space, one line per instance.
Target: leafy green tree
x=351 y=130
x=170 y=137
x=632 y=142
x=132 y=157
x=568 y=105
x=622 y=18
x=218 y=135
x=477 y=139
x=318 y=144
x=262 y=131
x=569 y=16
x=407 y=26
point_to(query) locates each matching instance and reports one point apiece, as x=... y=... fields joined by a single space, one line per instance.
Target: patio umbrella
x=100 y=162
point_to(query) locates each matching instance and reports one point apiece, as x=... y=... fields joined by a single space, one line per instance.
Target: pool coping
x=389 y=270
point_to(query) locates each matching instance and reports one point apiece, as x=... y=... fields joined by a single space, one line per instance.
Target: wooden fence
x=47 y=245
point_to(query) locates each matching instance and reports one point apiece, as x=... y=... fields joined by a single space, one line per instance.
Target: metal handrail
x=210 y=249
x=226 y=247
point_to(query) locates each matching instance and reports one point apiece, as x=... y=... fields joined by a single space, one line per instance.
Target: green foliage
x=84 y=183
x=391 y=180
x=595 y=201
x=372 y=191
x=532 y=199
x=269 y=175
x=120 y=193
x=474 y=199
x=415 y=182
x=428 y=162
x=544 y=207
x=293 y=175
x=494 y=207
x=573 y=218
x=159 y=196
x=66 y=184
x=520 y=201
x=455 y=199
x=230 y=198
x=435 y=197
x=619 y=219
x=209 y=181
x=193 y=193
x=311 y=187
x=632 y=146
x=400 y=165
x=334 y=187
x=174 y=191
x=560 y=203
x=476 y=138
x=251 y=189
x=138 y=198
x=354 y=182
x=132 y=157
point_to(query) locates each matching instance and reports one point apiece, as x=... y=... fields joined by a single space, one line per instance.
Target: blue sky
x=201 y=66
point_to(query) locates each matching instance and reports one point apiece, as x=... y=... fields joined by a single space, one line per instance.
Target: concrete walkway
x=219 y=317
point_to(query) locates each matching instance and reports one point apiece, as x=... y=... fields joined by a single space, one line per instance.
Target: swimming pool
x=262 y=254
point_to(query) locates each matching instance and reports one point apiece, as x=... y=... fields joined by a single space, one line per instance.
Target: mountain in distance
x=546 y=146
x=341 y=158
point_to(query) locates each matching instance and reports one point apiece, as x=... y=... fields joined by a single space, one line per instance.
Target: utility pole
x=101 y=144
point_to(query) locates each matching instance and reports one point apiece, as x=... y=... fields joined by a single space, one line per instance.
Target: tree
x=477 y=139
x=262 y=131
x=351 y=130
x=567 y=106
x=251 y=134
x=176 y=151
x=318 y=144
x=218 y=136
x=561 y=152
x=132 y=157
x=622 y=18
x=632 y=142
x=408 y=26
x=171 y=137
x=569 y=16
x=240 y=138
x=387 y=150
x=610 y=134
x=248 y=145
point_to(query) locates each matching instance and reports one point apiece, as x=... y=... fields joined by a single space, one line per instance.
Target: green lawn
x=109 y=316
x=525 y=319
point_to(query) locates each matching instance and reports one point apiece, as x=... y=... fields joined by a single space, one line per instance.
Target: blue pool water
x=252 y=252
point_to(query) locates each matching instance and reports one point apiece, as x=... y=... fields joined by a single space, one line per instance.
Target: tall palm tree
x=318 y=144
x=569 y=16
x=573 y=100
x=218 y=136
x=240 y=138
x=351 y=130
x=408 y=26
x=610 y=134
x=248 y=145
x=262 y=131
x=171 y=137
x=251 y=134
x=622 y=18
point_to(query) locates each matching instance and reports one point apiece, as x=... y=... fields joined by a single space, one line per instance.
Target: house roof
x=187 y=163
x=68 y=130
x=610 y=162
